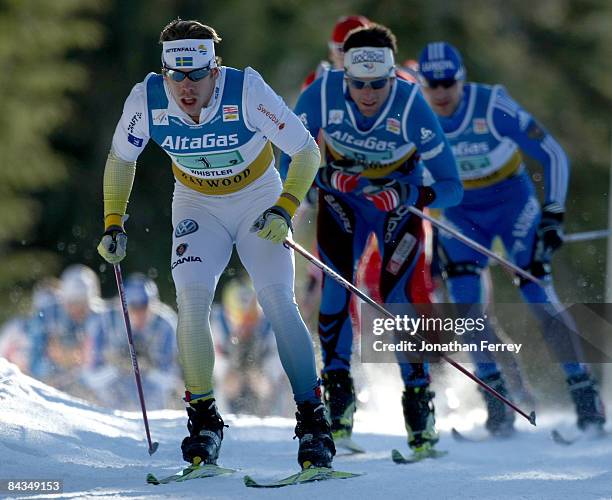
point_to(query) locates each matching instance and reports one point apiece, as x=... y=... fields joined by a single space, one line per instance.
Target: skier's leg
x=271 y=267
x=402 y=237
x=336 y=232
x=341 y=237
x=558 y=327
x=462 y=267
x=201 y=249
x=517 y=384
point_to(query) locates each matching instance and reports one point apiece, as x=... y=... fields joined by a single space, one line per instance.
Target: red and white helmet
x=342 y=28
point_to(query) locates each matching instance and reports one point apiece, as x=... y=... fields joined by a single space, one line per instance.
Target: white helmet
x=79 y=283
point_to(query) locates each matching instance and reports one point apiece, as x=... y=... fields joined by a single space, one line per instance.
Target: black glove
x=549 y=235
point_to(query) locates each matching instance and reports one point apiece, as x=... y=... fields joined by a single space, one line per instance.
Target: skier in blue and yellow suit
x=488 y=132
x=377 y=133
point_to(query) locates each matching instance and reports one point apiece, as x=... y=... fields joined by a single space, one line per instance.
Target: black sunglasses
x=194 y=75
x=374 y=84
x=447 y=83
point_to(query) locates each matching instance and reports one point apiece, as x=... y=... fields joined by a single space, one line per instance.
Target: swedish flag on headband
x=184 y=61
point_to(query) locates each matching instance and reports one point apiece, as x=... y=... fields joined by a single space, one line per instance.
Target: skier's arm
x=308 y=110
x=266 y=112
x=302 y=171
x=118 y=180
x=130 y=138
x=425 y=131
x=512 y=121
x=296 y=176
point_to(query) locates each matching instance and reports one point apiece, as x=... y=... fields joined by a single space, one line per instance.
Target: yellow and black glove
x=273 y=224
x=113 y=245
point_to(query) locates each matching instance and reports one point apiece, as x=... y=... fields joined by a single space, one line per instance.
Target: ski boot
x=316 y=444
x=205 y=427
x=339 y=396
x=500 y=418
x=589 y=407
x=419 y=418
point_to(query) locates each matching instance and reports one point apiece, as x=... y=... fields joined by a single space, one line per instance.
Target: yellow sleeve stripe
x=113 y=220
x=289 y=202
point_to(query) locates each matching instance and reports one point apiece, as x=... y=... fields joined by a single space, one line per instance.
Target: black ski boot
x=500 y=418
x=419 y=418
x=589 y=407
x=316 y=444
x=205 y=427
x=339 y=397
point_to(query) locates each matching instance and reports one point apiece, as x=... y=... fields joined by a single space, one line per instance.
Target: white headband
x=369 y=62
x=191 y=53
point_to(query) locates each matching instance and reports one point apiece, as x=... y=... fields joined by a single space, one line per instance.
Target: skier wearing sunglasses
x=217 y=124
x=377 y=132
x=489 y=133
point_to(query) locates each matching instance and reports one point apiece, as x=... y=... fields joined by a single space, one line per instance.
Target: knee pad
x=195 y=344
x=454 y=269
x=540 y=270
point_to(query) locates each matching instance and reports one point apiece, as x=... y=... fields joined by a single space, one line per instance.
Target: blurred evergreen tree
x=553 y=56
x=37 y=78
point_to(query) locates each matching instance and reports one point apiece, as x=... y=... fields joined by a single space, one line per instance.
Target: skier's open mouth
x=188 y=101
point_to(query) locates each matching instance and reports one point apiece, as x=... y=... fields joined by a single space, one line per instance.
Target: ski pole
x=128 y=328
x=587 y=235
x=476 y=246
x=351 y=288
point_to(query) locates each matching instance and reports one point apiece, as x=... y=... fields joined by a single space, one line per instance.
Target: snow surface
x=100 y=453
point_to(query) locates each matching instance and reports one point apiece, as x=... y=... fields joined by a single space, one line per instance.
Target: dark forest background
x=68 y=65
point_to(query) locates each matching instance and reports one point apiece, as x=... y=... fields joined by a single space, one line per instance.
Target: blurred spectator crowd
x=75 y=341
